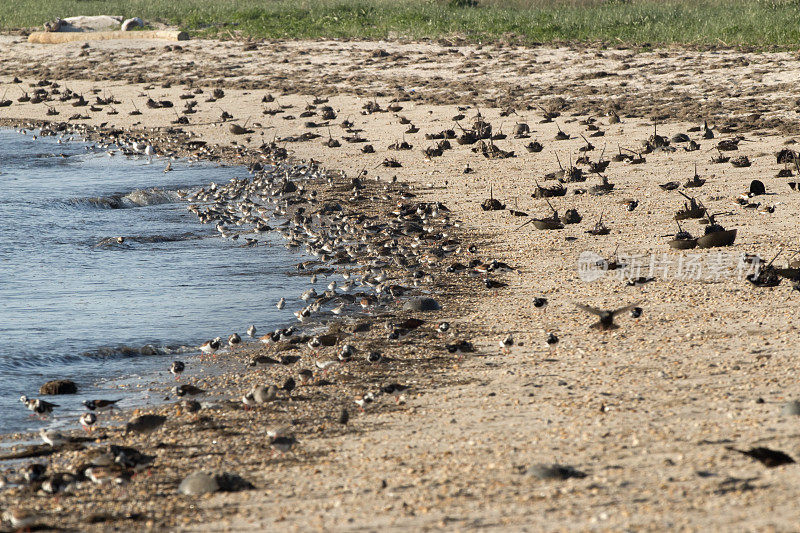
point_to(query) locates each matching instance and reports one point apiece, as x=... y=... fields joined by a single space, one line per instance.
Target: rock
x=554 y=471
x=198 y=483
x=421 y=303
x=59 y=386
x=791 y=408
x=757 y=188
x=129 y=24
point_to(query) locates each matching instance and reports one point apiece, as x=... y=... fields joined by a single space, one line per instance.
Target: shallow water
x=75 y=304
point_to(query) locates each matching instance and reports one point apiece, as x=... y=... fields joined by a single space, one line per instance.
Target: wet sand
x=645 y=411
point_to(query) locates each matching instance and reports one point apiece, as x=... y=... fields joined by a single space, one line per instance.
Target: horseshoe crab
x=547 y=223
x=695 y=181
x=715 y=235
x=534 y=147
x=492 y=204
x=682 y=240
x=693 y=209
x=548 y=192
x=599 y=228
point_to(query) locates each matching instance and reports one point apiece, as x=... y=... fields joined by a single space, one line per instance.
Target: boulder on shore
x=59 y=386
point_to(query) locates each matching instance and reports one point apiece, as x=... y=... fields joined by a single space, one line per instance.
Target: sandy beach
x=645 y=414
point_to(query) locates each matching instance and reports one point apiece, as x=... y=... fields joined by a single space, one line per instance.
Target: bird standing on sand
x=540 y=303
x=606 y=321
x=87 y=421
x=506 y=343
x=177 y=369
x=211 y=346
x=551 y=340
x=443 y=327
x=248 y=400
x=52 y=437
x=233 y=340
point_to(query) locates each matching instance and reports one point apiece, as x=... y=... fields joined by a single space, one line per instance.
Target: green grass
x=760 y=23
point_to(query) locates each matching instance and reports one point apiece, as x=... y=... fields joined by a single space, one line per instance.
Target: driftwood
x=45 y=37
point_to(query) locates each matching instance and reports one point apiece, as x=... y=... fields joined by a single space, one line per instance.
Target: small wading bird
x=177 y=369
x=606 y=320
x=87 y=421
x=99 y=405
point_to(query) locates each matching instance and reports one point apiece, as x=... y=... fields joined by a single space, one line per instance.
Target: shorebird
x=233 y=340
x=540 y=303
x=506 y=343
x=87 y=420
x=104 y=475
x=346 y=352
x=443 y=327
x=606 y=321
x=248 y=400
x=252 y=331
x=263 y=394
x=636 y=312
x=211 y=346
x=338 y=309
x=308 y=295
x=362 y=400
x=52 y=437
x=177 y=369
x=39 y=407
x=21 y=519
x=100 y=405
x=374 y=357
x=149 y=151
x=394 y=389
x=281 y=303
x=551 y=340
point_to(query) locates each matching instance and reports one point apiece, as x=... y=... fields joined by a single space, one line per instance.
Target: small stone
x=791 y=408
x=59 y=386
x=421 y=303
x=198 y=483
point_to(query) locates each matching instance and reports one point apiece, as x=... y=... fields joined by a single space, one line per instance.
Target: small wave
x=135 y=198
x=133 y=351
x=146 y=239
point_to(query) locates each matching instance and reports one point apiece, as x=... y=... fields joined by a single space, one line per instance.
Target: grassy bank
x=735 y=22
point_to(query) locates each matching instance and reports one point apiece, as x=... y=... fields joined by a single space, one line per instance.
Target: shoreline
x=228 y=384
x=647 y=412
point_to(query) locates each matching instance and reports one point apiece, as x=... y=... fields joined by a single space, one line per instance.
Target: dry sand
x=645 y=411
